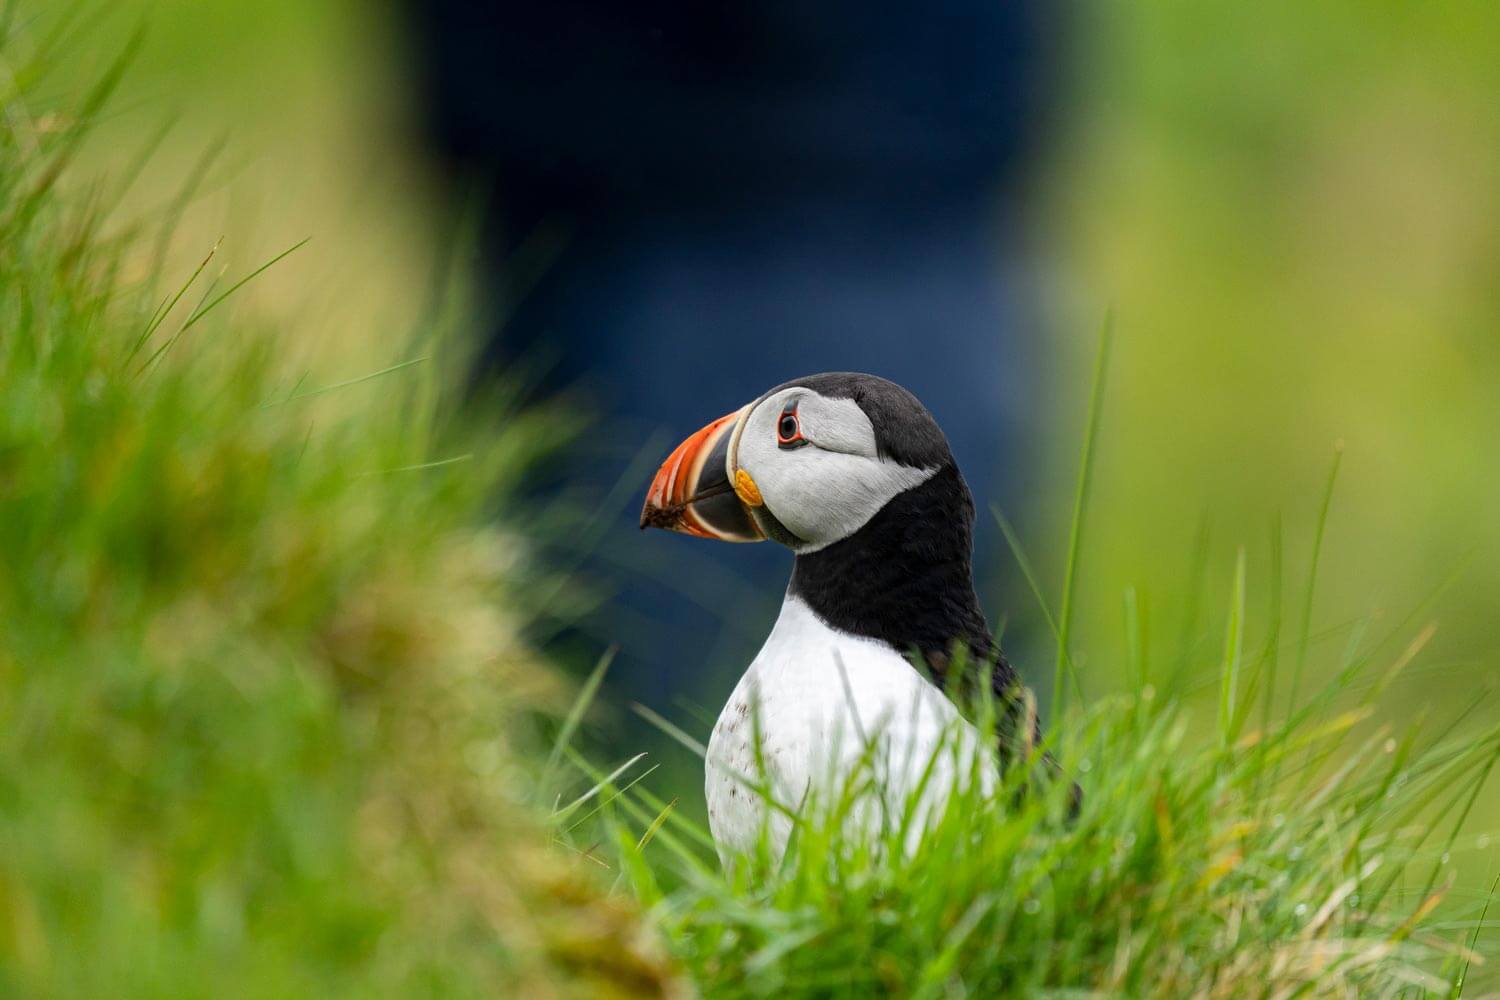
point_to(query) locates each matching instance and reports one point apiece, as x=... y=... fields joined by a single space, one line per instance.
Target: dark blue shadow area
x=693 y=202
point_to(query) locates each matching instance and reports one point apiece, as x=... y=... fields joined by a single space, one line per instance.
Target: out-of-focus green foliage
x=263 y=712
x=1294 y=211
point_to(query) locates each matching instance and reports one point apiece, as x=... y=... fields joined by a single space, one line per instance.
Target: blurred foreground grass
x=263 y=713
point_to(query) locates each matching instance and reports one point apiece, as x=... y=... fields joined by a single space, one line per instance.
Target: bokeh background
x=1292 y=214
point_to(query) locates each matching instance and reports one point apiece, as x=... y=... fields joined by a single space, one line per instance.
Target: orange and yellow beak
x=693 y=493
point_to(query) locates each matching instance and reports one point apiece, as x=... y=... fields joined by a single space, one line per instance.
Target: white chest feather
x=815 y=729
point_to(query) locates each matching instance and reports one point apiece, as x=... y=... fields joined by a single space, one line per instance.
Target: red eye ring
x=789 y=428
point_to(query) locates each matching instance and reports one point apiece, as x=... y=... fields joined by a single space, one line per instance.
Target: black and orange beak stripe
x=692 y=492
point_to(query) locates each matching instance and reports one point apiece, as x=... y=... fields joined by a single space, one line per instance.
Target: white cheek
x=823 y=496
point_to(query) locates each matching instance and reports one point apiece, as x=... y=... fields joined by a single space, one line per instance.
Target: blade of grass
x=690 y=829
x=571 y=721
x=1075 y=529
x=1463 y=973
x=859 y=726
x=670 y=729
x=690 y=859
x=206 y=309
x=1014 y=541
x=558 y=815
x=420 y=466
x=346 y=383
x=1305 y=631
x=656 y=824
x=1458 y=824
x=209 y=308
x=1135 y=640
x=624 y=789
x=169 y=304
x=1197 y=575
x=1273 y=634
x=1234 y=643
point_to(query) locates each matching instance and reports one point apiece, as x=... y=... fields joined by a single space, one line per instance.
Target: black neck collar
x=904 y=578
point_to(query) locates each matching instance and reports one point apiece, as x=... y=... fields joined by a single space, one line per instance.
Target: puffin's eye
x=789 y=428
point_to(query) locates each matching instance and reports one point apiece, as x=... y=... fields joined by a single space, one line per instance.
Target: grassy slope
x=1229 y=850
x=261 y=706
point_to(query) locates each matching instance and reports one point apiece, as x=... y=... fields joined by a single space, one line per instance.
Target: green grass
x=1214 y=856
x=264 y=715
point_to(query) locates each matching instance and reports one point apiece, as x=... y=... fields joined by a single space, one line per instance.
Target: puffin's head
x=807 y=464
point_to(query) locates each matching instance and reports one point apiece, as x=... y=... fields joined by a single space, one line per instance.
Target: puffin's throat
x=905 y=577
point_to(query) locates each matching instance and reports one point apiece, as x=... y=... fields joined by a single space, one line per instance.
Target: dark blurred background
x=685 y=204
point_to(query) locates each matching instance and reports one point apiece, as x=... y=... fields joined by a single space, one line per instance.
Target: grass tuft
x=265 y=718
x=1188 y=872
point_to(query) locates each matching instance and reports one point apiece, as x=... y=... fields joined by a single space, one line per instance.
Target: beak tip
x=666 y=518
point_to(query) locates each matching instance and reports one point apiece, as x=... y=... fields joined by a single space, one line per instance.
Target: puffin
x=876 y=658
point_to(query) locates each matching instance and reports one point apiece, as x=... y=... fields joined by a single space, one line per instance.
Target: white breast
x=815 y=730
